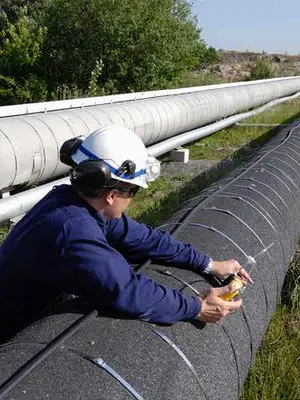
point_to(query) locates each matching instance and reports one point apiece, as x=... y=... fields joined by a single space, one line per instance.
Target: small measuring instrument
x=236 y=283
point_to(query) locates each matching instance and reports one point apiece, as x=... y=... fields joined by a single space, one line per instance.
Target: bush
x=13 y=92
x=262 y=69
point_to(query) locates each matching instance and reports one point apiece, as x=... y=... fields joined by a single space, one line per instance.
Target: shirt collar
x=78 y=200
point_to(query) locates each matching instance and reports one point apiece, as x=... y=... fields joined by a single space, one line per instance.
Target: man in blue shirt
x=78 y=240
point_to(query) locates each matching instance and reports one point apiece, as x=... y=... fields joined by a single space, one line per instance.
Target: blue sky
x=255 y=25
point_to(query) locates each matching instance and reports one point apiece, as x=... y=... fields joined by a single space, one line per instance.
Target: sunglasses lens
x=132 y=190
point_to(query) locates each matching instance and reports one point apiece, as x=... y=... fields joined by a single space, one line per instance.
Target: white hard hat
x=116 y=145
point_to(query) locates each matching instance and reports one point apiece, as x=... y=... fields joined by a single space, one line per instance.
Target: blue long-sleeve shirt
x=64 y=245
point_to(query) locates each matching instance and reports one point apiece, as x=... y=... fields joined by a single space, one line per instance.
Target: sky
x=272 y=26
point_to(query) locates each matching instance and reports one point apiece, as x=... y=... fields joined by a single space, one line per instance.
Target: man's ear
x=110 y=196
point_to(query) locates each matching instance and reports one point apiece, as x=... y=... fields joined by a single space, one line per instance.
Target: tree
x=141 y=45
x=10 y=10
x=19 y=56
x=65 y=48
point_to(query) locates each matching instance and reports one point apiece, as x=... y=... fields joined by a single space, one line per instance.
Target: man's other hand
x=213 y=308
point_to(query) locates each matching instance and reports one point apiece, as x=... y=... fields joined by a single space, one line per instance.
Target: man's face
x=118 y=200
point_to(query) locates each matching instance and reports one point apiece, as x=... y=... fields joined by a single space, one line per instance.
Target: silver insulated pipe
x=30 y=142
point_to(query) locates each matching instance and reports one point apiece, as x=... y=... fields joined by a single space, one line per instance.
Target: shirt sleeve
x=137 y=242
x=90 y=267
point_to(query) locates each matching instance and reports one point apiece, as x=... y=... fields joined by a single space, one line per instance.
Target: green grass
x=3 y=232
x=276 y=372
x=164 y=196
x=275 y=375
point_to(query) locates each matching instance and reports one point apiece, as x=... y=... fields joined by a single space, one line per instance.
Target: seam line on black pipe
x=181 y=354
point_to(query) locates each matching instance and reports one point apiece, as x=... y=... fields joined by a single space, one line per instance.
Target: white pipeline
x=29 y=144
x=21 y=203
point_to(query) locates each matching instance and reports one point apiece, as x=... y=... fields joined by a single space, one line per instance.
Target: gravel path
x=192 y=168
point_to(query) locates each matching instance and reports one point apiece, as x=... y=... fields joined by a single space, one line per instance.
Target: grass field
x=276 y=371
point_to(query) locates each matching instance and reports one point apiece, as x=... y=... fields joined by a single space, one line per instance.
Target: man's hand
x=225 y=268
x=213 y=308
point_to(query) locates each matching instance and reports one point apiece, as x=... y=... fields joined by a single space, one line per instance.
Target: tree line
x=58 y=49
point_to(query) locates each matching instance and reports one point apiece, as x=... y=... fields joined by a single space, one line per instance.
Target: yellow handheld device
x=237 y=286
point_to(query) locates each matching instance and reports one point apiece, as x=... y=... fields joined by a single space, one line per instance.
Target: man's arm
x=90 y=267
x=85 y=264
x=138 y=242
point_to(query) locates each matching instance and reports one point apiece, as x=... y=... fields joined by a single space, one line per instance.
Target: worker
x=78 y=240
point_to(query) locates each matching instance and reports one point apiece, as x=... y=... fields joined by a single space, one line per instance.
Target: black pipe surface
x=255 y=207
